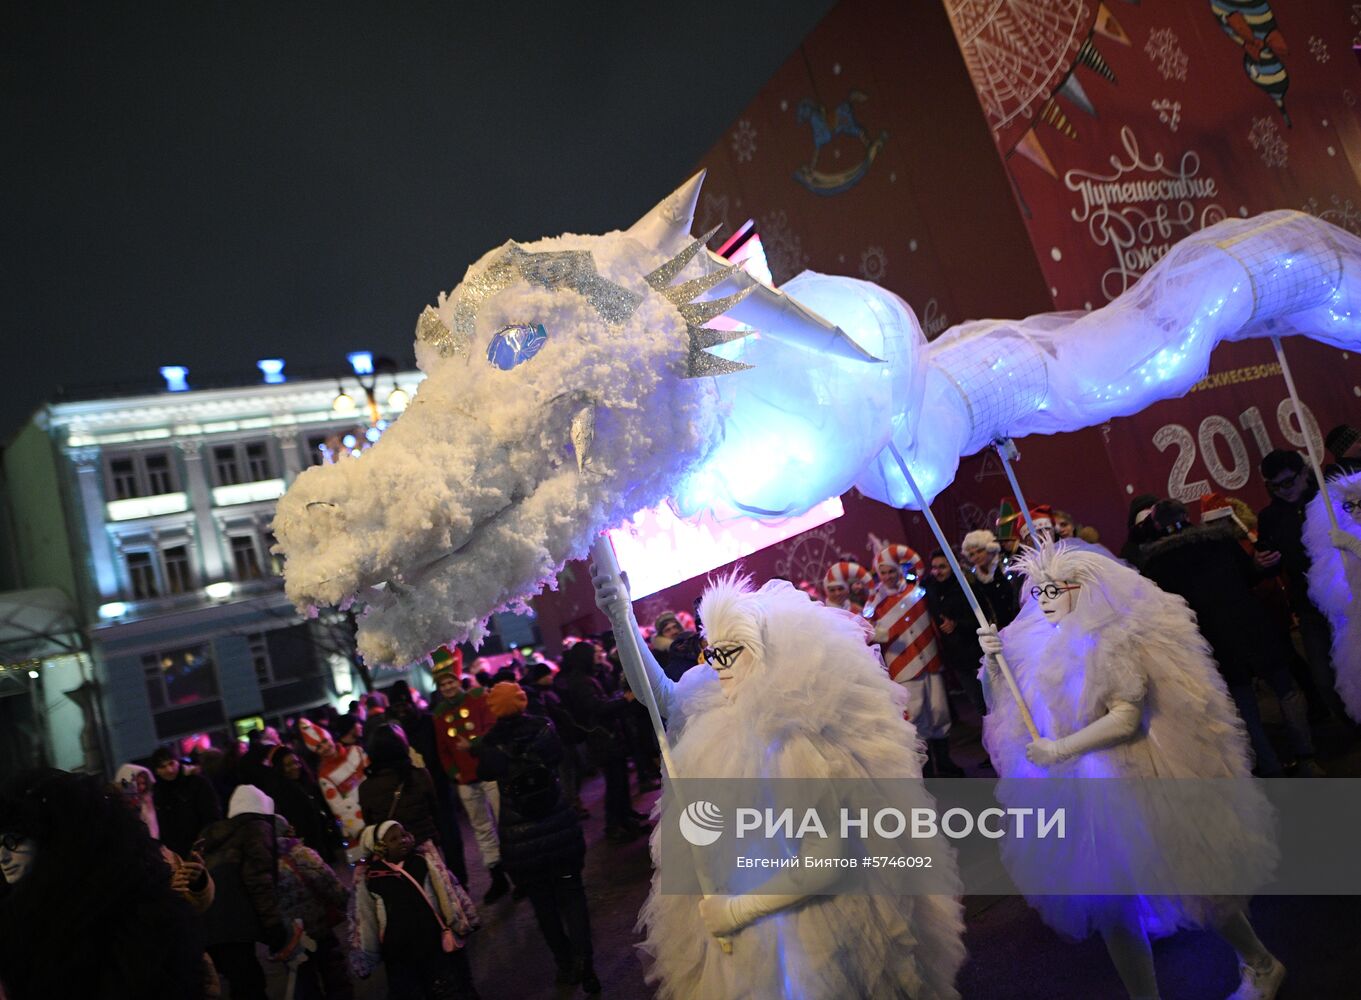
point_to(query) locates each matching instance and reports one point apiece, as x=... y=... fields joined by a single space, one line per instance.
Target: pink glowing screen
x=658 y=549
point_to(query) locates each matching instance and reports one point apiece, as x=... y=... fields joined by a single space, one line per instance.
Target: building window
x=158 y=477
x=259 y=654
x=123 y=478
x=142 y=575
x=245 y=557
x=179 y=572
x=142 y=474
x=258 y=464
x=226 y=470
x=275 y=559
x=242 y=463
x=316 y=449
x=179 y=677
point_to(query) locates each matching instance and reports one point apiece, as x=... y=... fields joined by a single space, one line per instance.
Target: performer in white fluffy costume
x=795 y=693
x=1335 y=579
x=1122 y=685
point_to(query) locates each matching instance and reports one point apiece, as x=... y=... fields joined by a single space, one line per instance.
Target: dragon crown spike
x=664 y=275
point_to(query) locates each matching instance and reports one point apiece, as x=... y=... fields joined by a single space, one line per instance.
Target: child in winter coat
x=310 y=891
x=411 y=914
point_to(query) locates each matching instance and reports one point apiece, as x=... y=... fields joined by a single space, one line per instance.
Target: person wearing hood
x=241 y=853
x=311 y=893
x=1137 y=529
x=955 y=626
x=395 y=788
x=1205 y=565
x=185 y=802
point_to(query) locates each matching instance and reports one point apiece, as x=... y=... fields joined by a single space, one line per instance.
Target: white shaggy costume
x=1128 y=643
x=1121 y=685
x=1335 y=581
x=806 y=699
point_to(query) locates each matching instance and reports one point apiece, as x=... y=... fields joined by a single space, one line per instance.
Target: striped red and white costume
x=911 y=652
x=845 y=573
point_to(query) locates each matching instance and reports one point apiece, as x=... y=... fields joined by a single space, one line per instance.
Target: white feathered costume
x=1335 y=582
x=813 y=702
x=1128 y=648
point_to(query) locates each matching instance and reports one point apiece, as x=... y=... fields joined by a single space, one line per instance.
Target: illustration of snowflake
x=807 y=556
x=1342 y=213
x=1268 y=142
x=1356 y=20
x=1166 y=53
x=873 y=264
x=783 y=246
x=744 y=141
x=1319 y=48
x=1169 y=112
x=713 y=211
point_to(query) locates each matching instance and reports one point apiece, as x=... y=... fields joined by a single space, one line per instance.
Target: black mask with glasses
x=1052 y=590
x=724 y=656
x=12 y=841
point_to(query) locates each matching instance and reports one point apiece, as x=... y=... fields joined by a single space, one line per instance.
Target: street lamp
x=367 y=369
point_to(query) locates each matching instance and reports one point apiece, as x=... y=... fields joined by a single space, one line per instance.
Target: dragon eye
x=515 y=344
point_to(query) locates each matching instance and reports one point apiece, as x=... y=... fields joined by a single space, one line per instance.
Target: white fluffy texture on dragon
x=1335 y=580
x=576 y=380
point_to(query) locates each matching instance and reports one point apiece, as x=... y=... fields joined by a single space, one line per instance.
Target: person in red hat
x=903 y=629
x=838 y=581
x=461 y=719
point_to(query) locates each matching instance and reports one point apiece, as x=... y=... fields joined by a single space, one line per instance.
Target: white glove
x=1120 y=722
x=989 y=640
x=1346 y=541
x=611 y=595
x=724 y=916
x=880 y=635
x=1044 y=752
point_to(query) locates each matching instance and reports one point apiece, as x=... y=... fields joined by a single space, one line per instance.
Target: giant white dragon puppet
x=576 y=380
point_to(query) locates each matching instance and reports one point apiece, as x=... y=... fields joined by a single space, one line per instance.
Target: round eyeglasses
x=1052 y=590
x=724 y=655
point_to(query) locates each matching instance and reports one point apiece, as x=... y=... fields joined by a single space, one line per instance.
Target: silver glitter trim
x=664 y=275
x=574 y=269
x=431 y=329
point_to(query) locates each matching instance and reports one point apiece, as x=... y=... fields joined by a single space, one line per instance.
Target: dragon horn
x=667 y=227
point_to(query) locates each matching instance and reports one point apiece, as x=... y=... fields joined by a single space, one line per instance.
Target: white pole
x=603 y=555
x=1304 y=429
x=983 y=622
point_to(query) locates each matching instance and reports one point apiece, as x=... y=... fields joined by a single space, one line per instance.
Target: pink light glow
x=658 y=549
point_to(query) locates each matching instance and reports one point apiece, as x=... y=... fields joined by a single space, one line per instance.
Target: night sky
x=207 y=184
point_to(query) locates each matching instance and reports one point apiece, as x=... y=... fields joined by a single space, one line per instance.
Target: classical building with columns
x=151 y=514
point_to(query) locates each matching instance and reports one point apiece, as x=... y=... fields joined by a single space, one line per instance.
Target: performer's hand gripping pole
x=1304 y=430
x=631 y=659
x=983 y=622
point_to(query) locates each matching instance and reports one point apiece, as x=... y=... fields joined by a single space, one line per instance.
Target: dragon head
x=568 y=387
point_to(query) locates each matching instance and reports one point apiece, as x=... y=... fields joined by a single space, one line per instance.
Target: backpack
x=530 y=786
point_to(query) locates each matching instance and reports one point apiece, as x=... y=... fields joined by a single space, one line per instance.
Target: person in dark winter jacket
x=682 y=654
x=185 y=802
x=419 y=726
x=87 y=908
x=1280 y=547
x=1138 y=529
x=298 y=799
x=956 y=627
x=541 y=842
x=544 y=702
x=601 y=716
x=241 y=853
x=394 y=788
x=1206 y=566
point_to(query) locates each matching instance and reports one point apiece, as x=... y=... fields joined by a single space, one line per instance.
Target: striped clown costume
x=902 y=627
x=838 y=581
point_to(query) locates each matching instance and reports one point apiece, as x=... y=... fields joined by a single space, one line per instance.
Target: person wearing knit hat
x=462 y=718
x=902 y=627
x=340 y=771
x=240 y=852
x=542 y=847
x=837 y=583
x=506 y=698
x=666 y=627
